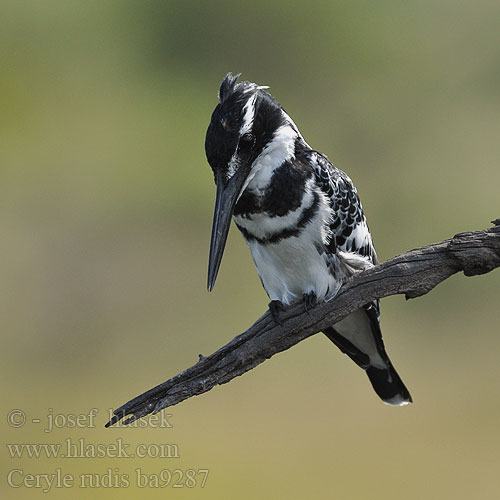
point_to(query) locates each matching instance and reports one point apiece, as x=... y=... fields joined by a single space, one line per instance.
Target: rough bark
x=412 y=273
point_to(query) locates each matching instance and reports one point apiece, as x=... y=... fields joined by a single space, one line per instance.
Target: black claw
x=310 y=301
x=275 y=308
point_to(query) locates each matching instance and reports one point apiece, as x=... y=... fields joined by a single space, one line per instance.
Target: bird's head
x=242 y=129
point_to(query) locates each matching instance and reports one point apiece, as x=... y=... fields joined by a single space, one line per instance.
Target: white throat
x=279 y=149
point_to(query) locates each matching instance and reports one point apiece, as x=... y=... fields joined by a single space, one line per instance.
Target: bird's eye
x=247 y=139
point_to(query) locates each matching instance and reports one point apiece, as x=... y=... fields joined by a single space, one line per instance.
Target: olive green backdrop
x=105 y=215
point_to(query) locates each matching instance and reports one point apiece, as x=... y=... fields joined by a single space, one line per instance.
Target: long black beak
x=225 y=200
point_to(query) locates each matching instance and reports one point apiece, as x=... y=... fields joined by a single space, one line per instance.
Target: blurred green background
x=106 y=203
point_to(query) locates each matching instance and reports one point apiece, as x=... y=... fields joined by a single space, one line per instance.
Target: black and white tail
x=359 y=337
x=389 y=386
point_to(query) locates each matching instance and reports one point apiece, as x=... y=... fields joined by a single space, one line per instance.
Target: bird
x=301 y=218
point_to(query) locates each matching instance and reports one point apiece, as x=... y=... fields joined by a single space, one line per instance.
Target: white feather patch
x=248 y=115
x=356 y=328
x=280 y=148
x=360 y=236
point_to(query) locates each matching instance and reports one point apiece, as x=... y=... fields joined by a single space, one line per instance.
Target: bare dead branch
x=412 y=273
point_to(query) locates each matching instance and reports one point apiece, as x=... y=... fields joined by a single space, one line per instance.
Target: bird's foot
x=275 y=308
x=310 y=301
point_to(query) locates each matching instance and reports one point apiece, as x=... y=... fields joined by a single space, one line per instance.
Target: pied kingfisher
x=300 y=216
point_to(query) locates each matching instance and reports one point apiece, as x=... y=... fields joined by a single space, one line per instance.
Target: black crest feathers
x=227 y=86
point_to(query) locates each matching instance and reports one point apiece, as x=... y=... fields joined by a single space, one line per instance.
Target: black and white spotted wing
x=358 y=335
x=349 y=230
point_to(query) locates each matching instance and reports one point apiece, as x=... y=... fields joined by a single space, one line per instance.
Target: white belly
x=294 y=266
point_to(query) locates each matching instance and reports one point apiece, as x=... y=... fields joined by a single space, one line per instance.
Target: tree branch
x=412 y=273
